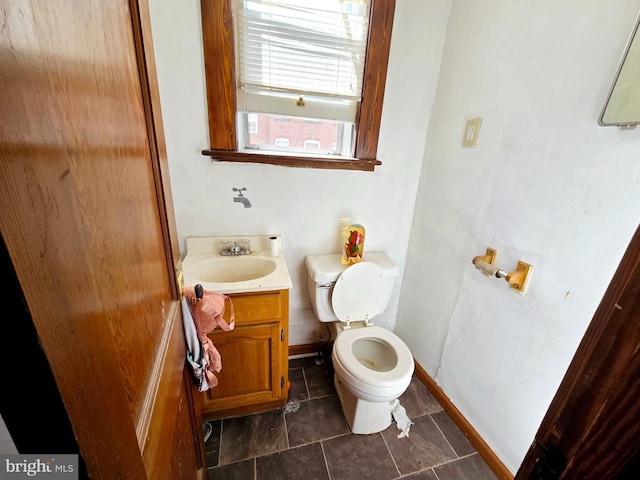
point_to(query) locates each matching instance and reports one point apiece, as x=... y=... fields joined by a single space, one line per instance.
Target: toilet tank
x=324 y=270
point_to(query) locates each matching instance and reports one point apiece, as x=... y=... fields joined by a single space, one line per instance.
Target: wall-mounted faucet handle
x=240 y=190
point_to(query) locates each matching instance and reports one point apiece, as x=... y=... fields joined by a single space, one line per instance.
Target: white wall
x=545 y=184
x=304 y=205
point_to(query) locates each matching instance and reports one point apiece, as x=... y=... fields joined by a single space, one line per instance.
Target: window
x=341 y=144
x=312 y=145
x=281 y=142
x=252 y=123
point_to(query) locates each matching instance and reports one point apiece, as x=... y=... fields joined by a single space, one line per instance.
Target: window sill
x=293 y=161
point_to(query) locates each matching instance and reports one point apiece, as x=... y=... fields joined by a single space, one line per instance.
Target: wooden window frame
x=219 y=62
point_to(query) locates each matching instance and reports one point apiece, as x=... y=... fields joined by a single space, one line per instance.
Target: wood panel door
x=86 y=217
x=592 y=430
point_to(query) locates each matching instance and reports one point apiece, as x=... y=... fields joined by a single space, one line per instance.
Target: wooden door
x=87 y=221
x=592 y=428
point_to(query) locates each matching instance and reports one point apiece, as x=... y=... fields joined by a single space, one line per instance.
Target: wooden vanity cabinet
x=254 y=375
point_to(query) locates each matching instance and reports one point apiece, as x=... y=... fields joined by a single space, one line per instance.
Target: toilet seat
x=363 y=378
x=360 y=293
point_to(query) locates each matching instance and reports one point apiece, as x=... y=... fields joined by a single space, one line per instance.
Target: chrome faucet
x=241 y=198
x=235 y=249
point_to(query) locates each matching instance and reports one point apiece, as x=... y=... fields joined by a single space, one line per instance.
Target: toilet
x=372 y=365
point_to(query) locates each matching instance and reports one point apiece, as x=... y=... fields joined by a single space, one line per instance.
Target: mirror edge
x=622 y=125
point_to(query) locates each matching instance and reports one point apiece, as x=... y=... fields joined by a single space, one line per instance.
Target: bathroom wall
x=544 y=184
x=304 y=205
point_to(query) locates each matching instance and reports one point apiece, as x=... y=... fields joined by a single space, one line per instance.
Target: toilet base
x=363 y=417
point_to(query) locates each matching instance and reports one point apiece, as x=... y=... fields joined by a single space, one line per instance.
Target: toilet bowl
x=373 y=366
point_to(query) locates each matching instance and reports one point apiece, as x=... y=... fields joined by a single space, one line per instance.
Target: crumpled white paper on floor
x=400 y=416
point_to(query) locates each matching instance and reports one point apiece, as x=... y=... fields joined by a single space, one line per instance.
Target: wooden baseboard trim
x=491 y=459
x=303 y=349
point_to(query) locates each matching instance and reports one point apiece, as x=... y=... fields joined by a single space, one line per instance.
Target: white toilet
x=372 y=365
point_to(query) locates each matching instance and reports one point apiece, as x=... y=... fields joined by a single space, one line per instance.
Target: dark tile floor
x=309 y=439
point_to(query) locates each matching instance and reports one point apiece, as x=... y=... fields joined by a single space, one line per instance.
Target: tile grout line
x=445 y=437
x=433 y=467
x=324 y=456
x=317 y=398
x=220 y=443
x=286 y=429
x=306 y=386
x=311 y=443
x=390 y=454
x=413 y=474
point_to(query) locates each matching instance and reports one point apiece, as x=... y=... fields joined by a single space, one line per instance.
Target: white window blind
x=287 y=49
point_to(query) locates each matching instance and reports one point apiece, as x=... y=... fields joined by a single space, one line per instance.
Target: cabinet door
x=251 y=372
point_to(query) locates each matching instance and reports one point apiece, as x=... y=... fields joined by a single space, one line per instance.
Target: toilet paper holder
x=517 y=279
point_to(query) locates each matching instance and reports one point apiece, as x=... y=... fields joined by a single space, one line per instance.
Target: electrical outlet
x=471 y=132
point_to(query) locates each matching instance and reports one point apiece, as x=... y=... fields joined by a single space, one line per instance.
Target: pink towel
x=207 y=315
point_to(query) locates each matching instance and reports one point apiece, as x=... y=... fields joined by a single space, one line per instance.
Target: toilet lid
x=359 y=293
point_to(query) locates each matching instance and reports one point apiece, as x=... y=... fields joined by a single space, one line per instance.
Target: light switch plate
x=471 y=132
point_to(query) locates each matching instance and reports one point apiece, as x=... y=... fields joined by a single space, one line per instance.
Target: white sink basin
x=257 y=271
x=232 y=269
